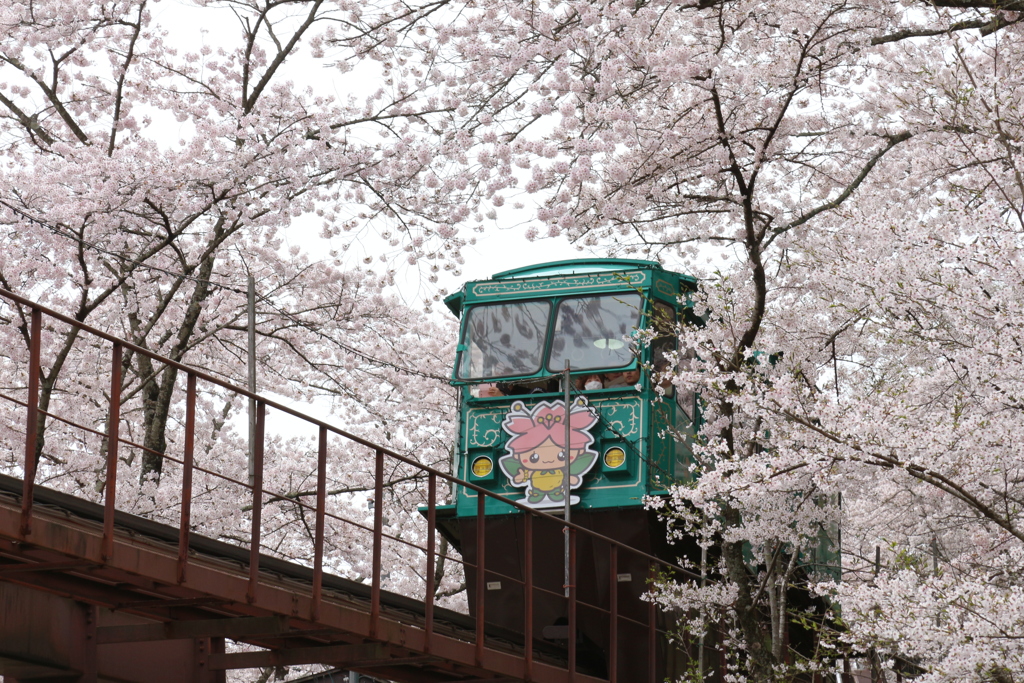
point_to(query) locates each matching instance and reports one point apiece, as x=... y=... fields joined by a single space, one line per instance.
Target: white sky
x=502 y=246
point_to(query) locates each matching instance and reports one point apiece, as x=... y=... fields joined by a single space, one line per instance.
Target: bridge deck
x=125 y=584
x=63 y=556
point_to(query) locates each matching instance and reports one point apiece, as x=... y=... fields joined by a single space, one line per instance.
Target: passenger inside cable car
x=592 y=333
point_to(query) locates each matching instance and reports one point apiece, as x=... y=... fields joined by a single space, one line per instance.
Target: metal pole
x=321 y=511
x=572 y=605
x=31 y=420
x=185 y=521
x=378 y=530
x=652 y=633
x=703 y=581
x=568 y=490
x=528 y=596
x=613 y=614
x=252 y=376
x=428 y=608
x=113 y=441
x=257 y=504
x=481 y=578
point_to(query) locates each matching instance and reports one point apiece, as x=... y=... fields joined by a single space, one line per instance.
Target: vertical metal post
x=528 y=596
x=721 y=650
x=566 y=377
x=113 y=441
x=378 y=531
x=88 y=644
x=251 y=301
x=572 y=605
x=428 y=599
x=321 y=511
x=257 y=502
x=481 y=539
x=703 y=582
x=613 y=614
x=31 y=420
x=652 y=633
x=217 y=648
x=201 y=651
x=186 y=476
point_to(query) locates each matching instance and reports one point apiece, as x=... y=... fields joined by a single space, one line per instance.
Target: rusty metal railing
x=114 y=439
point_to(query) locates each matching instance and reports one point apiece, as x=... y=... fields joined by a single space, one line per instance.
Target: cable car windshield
x=592 y=332
x=505 y=340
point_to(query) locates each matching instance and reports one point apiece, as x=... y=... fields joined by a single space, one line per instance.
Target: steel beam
x=234 y=628
x=164 y=603
x=26 y=669
x=343 y=656
x=23 y=567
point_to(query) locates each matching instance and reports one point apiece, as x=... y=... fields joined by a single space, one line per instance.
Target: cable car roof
x=585 y=266
x=576 y=266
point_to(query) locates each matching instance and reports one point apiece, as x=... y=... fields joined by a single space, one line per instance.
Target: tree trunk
x=47 y=383
x=158 y=392
x=748 y=617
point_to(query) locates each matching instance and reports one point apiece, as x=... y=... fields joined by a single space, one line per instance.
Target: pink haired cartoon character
x=537 y=450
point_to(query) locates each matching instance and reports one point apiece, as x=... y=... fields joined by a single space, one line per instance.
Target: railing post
x=480 y=577
x=321 y=511
x=572 y=604
x=428 y=599
x=378 y=531
x=613 y=613
x=528 y=596
x=186 y=476
x=257 y=501
x=652 y=630
x=31 y=420
x=719 y=638
x=113 y=441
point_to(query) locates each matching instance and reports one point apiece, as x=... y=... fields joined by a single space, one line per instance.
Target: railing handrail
x=336 y=430
x=113 y=439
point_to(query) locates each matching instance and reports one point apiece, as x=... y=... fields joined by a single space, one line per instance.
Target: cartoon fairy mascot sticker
x=537 y=450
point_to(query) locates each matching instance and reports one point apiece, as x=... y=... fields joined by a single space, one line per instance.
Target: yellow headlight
x=482 y=466
x=614 y=457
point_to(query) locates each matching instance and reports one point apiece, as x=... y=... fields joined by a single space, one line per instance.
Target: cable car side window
x=590 y=332
x=663 y=320
x=502 y=340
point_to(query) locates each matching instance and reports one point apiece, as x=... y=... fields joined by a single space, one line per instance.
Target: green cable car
x=627 y=439
x=609 y=325
x=520 y=329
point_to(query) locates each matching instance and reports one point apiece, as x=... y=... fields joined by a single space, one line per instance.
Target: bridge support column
x=90 y=672
x=45 y=638
x=201 y=651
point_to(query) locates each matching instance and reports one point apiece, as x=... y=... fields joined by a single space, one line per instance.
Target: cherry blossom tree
x=143 y=182
x=844 y=177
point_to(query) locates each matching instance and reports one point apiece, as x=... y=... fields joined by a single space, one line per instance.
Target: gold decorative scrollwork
x=557 y=286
